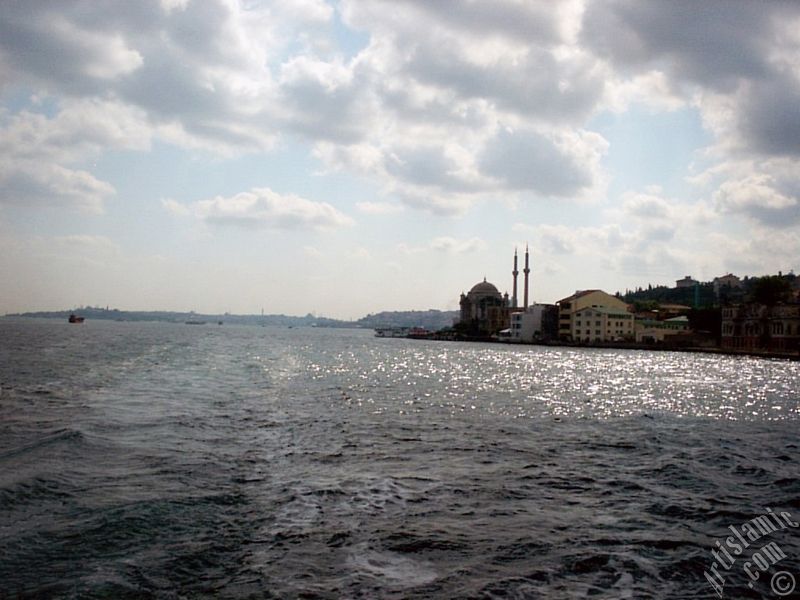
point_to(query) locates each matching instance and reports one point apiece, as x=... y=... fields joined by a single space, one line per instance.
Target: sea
x=165 y=460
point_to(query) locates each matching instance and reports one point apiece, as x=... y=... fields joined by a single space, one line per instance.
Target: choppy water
x=170 y=461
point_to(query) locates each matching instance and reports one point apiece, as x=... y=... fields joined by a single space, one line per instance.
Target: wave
x=68 y=436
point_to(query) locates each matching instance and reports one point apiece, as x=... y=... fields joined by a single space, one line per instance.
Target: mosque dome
x=484 y=288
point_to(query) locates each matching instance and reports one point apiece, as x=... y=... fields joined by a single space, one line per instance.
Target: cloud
x=417 y=110
x=446 y=245
x=359 y=253
x=49 y=46
x=759 y=197
x=453 y=109
x=737 y=64
x=196 y=67
x=324 y=100
x=29 y=183
x=549 y=165
x=175 y=208
x=646 y=206
x=37 y=152
x=378 y=208
x=79 y=129
x=451 y=245
x=560 y=239
x=769 y=116
x=261 y=207
x=447 y=105
x=712 y=43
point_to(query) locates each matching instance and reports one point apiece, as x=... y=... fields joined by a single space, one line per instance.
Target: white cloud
x=446 y=245
x=30 y=183
x=454 y=246
x=359 y=253
x=175 y=208
x=560 y=239
x=261 y=207
x=37 y=152
x=758 y=196
x=653 y=89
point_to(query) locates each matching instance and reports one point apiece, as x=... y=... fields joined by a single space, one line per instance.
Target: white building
x=568 y=308
x=532 y=324
x=601 y=324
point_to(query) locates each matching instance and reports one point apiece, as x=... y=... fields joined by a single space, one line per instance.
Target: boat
x=419 y=333
x=193 y=322
x=392 y=332
x=73 y=318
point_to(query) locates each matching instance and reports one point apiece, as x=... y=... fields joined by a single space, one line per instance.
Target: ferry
x=402 y=332
x=392 y=332
x=73 y=318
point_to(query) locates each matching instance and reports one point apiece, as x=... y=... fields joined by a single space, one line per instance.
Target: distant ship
x=192 y=322
x=394 y=332
x=73 y=318
x=402 y=332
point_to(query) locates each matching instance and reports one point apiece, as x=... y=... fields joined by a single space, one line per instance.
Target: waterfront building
x=484 y=310
x=568 y=309
x=601 y=324
x=651 y=331
x=760 y=327
x=538 y=323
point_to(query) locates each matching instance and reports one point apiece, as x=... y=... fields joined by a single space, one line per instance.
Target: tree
x=770 y=290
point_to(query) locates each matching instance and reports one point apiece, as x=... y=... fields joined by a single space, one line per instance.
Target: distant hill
x=91 y=313
x=429 y=319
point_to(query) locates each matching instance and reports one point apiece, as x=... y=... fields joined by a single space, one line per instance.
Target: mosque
x=485 y=311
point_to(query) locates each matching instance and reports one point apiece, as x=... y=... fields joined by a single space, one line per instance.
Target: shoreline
x=626 y=346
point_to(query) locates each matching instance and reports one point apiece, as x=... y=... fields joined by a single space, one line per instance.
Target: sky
x=346 y=157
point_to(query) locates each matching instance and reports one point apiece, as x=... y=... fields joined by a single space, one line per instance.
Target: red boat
x=75 y=319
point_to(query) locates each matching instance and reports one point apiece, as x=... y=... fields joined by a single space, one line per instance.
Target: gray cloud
x=325 y=101
x=536 y=84
x=521 y=20
x=43 y=43
x=713 y=42
x=526 y=160
x=195 y=66
x=769 y=118
x=761 y=198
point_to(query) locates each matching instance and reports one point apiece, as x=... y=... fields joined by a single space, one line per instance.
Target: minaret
x=526 y=270
x=515 y=272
